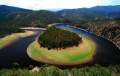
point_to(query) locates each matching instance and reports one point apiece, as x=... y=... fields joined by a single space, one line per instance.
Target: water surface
x=106 y=52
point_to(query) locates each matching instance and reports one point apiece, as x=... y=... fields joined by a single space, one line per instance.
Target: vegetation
x=91 y=14
x=29 y=19
x=108 y=27
x=8 y=30
x=95 y=70
x=97 y=22
x=12 y=18
x=4 y=41
x=58 y=38
x=7 y=40
x=72 y=56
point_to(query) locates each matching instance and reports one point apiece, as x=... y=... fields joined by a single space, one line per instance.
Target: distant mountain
x=101 y=20
x=6 y=11
x=13 y=16
x=94 y=13
x=37 y=18
x=9 y=9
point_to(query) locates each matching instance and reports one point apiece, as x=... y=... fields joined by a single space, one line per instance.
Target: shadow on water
x=16 y=54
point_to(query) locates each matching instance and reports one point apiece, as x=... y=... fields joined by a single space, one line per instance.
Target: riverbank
x=9 y=39
x=69 y=56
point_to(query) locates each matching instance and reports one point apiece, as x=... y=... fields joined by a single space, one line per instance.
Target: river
x=106 y=52
x=15 y=53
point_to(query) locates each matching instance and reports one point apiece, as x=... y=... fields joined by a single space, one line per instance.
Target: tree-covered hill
x=29 y=18
x=101 y=20
x=10 y=9
x=13 y=17
x=55 y=38
x=39 y=19
x=94 y=13
x=110 y=29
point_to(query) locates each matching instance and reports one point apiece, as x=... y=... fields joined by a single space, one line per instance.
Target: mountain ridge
x=103 y=21
x=94 y=13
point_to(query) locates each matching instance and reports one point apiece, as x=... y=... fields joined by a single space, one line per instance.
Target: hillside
x=22 y=17
x=101 y=20
x=94 y=13
x=10 y=9
x=13 y=17
x=109 y=29
x=6 y=11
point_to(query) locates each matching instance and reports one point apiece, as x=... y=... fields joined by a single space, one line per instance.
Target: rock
x=35 y=69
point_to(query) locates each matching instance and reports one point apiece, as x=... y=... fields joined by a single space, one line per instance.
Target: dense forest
x=55 y=38
x=9 y=30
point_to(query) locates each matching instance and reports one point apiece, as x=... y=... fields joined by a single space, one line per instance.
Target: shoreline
x=9 y=39
x=56 y=56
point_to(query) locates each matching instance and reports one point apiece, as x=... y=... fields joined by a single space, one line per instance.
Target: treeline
x=30 y=19
x=57 y=38
x=10 y=22
x=109 y=29
x=8 y=30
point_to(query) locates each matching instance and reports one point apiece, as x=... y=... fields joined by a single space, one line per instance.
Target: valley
x=97 y=54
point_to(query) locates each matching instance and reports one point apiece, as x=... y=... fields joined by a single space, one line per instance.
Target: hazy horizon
x=58 y=4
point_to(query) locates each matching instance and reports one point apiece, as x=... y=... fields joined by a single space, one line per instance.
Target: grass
x=65 y=56
x=7 y=40
x=95 y=70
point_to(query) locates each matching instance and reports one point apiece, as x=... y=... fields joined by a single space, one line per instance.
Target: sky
x=57 y=4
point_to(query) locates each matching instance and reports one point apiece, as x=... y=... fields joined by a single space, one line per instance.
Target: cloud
x=53 y=4
x=115 y=2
